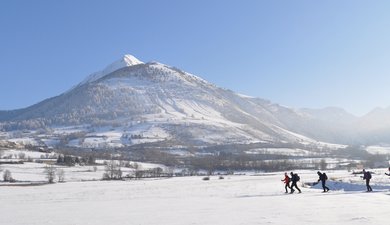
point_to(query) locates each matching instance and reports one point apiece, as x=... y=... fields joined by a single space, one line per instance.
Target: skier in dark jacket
x=322 y=177
x=294 y=179
x=388 y=174
x=286 y=180
x=367 y=177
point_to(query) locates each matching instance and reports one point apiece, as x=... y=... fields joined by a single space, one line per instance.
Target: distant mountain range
x=131 y=102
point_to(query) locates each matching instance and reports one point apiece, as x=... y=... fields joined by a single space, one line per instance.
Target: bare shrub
x=50 y=172
x=22 y=155
x=61 y=175
x=7 y=176
x=112 y=171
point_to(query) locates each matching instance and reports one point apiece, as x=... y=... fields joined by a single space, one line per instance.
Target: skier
x=367 y=177
x=294 y=179
x=322 y=177
x=388 y=174
x=286 y=180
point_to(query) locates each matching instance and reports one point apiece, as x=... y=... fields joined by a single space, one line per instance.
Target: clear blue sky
x=295 y=53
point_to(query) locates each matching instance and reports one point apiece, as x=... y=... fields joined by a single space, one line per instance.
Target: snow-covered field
x=376 y=149
x=244 y=199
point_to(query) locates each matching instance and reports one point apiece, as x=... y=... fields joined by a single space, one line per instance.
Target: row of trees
x=50 y=172
x=70 y=160
x=113 y=171
x=222 y=162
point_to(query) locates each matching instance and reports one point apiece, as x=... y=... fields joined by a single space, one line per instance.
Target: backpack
x=368 y=175
x=325 y=176
x=297 y=178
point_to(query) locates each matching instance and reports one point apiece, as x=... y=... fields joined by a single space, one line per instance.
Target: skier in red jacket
x=286 y=180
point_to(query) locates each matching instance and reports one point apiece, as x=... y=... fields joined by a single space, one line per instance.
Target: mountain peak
x=130 y=60
x=126 y=61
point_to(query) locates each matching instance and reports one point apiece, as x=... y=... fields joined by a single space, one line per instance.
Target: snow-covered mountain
x=329 y=124
x=375 y=126
x=132 y=102
x=146 y=102
x=126 y=61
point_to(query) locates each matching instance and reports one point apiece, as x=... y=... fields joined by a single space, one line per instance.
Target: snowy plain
x=245 y=199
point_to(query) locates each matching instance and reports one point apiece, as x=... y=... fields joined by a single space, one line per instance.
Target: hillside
x=131 y=102
x=148 y=102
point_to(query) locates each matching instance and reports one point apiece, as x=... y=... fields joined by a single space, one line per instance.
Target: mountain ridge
x=165 y=103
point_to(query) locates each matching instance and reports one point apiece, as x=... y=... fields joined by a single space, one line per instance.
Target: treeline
x=69 y=160
x=241 y=162
x=218 y=161
x=113 y=171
